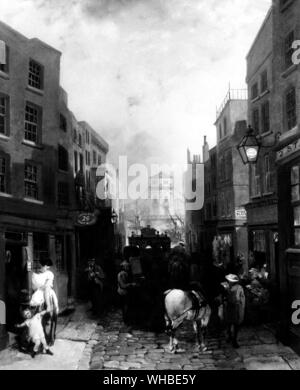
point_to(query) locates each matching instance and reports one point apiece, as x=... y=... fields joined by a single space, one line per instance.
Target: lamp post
x=114 y=217
x=249 y=147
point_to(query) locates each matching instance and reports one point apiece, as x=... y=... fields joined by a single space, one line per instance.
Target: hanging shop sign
x=288 y=150
x=86 y=219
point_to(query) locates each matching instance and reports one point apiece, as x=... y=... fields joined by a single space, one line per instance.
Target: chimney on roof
x=205 y=150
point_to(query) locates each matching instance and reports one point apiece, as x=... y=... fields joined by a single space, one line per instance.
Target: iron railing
x=232 y=94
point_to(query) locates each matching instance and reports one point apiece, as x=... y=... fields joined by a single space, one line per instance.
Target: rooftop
x=232 y=94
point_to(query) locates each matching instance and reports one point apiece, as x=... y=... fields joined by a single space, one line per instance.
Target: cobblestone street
x=82 y=344
x=116 y=349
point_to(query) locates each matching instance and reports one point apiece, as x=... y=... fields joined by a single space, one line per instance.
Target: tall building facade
x=232 y=179
x=38 y=181
x=286 y=123
x=262 y=207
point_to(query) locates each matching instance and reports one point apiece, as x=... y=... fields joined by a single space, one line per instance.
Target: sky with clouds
x=146 y=74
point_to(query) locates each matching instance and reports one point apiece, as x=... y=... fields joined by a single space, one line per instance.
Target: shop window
x=259 y=241
x=59 y=250
x=40 y=249
x=295 y=198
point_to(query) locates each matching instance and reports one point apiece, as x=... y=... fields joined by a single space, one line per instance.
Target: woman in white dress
x=42 y=285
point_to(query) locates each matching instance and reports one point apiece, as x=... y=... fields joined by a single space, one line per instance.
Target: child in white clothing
x=35 y=331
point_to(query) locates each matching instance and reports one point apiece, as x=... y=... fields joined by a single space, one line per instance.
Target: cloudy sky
x=146 y=74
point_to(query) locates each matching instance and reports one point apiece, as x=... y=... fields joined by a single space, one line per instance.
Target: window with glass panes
x=267 y=173
x=59 y=249
x=63 y=194
x=254 y=91
x=265 y=117
x=62 y=122
x=290 y=106
x=295 y=199
x=63 y=159
x=31 y=181
x=255 y=119
x=31 y=123
x=3 y=115
x=288 y=49
x=3 y=171
x=94 y=157
x=4 y=67
x=264 y=81
x=40 y=249
x=255 y=181
x=259 y=241
x=35 y=78
x=99 y=160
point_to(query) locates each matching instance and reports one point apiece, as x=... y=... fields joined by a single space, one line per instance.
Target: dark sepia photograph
x=149 y=188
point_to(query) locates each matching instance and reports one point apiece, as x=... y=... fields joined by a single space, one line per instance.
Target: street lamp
x=114 y=217
x=249 y=147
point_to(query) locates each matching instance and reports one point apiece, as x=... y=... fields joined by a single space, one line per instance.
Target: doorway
x=16 y=281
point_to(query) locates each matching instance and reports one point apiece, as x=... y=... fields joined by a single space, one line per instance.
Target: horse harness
x=197 y=305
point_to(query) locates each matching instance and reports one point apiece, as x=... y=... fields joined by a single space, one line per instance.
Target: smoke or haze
x=146 y=74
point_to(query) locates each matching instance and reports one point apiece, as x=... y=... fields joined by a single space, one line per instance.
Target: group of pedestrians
x=228 y=298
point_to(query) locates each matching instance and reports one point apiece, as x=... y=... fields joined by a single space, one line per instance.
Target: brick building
x=262 y=207
x=38 y=200
x=286 y=121
x=232 y=179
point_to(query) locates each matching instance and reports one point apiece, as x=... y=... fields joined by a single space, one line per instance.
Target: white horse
x=180 y=306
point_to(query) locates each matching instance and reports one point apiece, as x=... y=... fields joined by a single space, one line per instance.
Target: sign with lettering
x=288 y=150
x=86 y=219
x=241 y=213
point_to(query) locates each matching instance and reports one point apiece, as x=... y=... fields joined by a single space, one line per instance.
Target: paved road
x=82 y=344
x=140 y=350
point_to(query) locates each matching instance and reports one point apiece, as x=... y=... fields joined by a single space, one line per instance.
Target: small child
x=35 y=331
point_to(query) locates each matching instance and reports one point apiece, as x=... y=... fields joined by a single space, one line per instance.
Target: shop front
x=288 y=168
x=23 y=243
